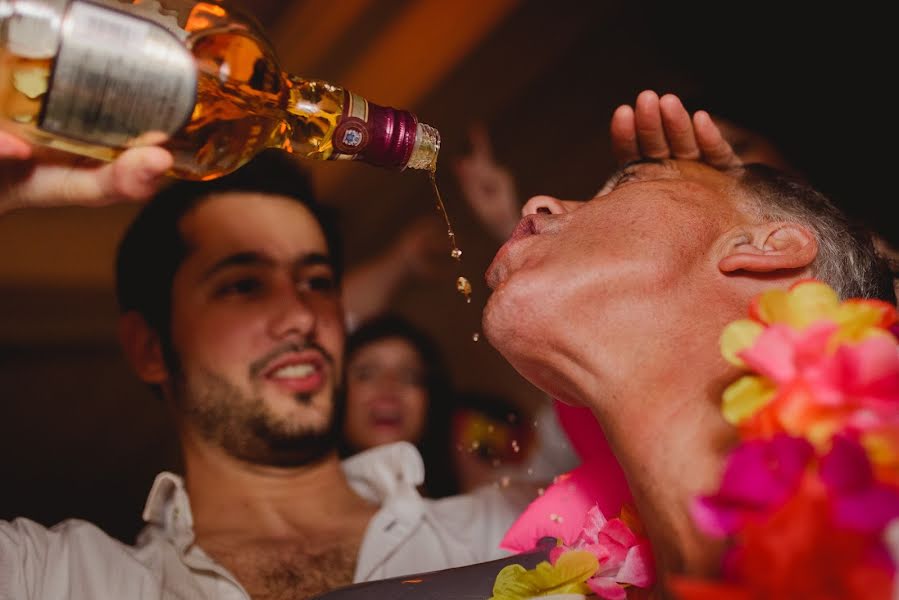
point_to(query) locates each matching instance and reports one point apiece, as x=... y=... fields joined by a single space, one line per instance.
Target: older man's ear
x=770 y=247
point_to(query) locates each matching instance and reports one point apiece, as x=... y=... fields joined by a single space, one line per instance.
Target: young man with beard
x=230 y=299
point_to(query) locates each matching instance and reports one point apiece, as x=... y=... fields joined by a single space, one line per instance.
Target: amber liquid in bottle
x=244 y=103
x=256 y=107
x=28 y=82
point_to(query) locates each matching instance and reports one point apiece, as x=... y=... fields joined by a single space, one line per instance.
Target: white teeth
x=294 y=371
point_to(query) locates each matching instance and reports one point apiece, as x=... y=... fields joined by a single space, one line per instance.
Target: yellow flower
x=738 y=336
x=805 y=303
x=809 y=302
x=745 y=397
x=567 y=576
x=860 y=320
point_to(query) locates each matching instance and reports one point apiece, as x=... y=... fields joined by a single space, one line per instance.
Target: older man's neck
x=671 y=442
x=233 y=498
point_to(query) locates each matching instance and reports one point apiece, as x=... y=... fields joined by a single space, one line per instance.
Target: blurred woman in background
x=396 y=388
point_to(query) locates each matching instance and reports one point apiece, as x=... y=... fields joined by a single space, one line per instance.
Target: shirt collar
x=385 y=471
x=391 y=472
x=168 y=508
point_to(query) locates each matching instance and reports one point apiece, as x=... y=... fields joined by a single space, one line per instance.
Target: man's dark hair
x=847 y=260
x=153 y=247
x=435 y=443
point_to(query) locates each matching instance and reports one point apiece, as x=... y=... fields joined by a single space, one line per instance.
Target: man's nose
x=545 y=204
x=295 y=316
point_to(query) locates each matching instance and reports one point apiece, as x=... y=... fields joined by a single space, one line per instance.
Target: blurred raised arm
x=488 y=187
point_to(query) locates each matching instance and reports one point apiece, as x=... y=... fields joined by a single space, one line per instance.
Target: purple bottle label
x=378 y=135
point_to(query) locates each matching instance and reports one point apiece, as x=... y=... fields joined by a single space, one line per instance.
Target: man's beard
x=245 y=428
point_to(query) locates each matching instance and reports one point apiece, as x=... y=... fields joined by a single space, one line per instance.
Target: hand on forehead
x=662 y=128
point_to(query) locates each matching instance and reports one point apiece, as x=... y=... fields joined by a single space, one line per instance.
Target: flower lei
x=807 y=496
x=809 y=493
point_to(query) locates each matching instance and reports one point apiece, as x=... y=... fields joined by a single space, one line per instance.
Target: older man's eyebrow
x=629 y=166
x=644 y=161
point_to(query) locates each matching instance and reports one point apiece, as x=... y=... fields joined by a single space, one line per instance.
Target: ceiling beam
x=307 y=31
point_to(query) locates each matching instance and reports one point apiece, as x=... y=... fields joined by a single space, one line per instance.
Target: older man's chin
x=507 y=331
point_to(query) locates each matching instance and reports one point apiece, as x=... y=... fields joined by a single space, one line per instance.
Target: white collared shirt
x=409 y=534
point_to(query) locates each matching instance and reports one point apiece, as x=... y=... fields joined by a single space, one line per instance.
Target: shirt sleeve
x=23 y=553
x=73 y=559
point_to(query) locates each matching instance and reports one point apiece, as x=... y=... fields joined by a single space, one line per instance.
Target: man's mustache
x=260 y=365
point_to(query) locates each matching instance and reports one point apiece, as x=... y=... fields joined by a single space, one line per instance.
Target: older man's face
x=614 y=273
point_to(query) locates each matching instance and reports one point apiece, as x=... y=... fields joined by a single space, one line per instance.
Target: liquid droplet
x=464 y=287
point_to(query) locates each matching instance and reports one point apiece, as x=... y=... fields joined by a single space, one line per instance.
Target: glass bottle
x=199 y=78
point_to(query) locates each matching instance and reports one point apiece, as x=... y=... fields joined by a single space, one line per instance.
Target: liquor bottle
x=199 y=78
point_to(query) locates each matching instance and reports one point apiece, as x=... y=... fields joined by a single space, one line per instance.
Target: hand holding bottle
x=36 y=177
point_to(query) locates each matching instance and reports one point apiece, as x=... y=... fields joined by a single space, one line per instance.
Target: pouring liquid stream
x=463 y=286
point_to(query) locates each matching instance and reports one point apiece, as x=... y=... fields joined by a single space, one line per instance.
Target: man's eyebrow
x=257 y=259
x=240 y=259
x=636 y=163
x=314 y=258
x=643 y=161
x=615 y=177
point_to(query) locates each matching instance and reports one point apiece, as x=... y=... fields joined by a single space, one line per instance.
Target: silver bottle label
x=117 y=77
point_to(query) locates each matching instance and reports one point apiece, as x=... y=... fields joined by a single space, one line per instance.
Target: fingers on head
x=678 y=128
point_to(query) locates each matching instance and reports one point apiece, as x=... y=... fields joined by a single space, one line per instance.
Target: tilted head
x=637 y=283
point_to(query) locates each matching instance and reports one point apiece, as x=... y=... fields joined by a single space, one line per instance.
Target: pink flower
x=561 y=511
x=810 y=390
x=860 y=502
x=759 y=476
x=624 y=557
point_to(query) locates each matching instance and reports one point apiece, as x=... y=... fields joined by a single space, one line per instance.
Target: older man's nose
x=544 y=204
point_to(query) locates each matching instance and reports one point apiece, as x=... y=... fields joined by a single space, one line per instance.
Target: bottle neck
x=346 y=126
x=426 y=149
